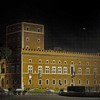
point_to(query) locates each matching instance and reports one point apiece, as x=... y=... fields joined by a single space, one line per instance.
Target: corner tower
x=32 y=36
x=21 y=35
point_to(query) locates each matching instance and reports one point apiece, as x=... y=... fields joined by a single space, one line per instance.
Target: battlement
x=59 y=53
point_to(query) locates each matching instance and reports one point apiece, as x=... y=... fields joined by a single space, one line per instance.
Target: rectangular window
x=53 y=70
x=30 y=69
x=87 y=71
x=95 y=72
x=65 y=71
x=59 y=70
x=79 y=70
x=72 y=70
x=40 y=69
x=47 y=69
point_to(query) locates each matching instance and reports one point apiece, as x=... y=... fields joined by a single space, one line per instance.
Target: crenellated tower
x=18 y=36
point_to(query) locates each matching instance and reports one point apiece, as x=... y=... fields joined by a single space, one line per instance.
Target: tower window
x=38 y=40
x=30 y=60
x=27 y=46
x=38 y=48
x=27 y=28
x=38 y=29
x=27 y=38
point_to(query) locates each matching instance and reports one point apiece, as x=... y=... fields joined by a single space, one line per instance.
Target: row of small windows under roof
x=59 y=62
x=34 y=29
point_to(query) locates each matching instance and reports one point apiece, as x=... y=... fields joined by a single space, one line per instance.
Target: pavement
x=38 y=96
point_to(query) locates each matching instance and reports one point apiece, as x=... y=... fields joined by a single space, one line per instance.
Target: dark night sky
x=64 y=22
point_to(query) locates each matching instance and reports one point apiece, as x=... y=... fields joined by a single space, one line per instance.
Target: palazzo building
x=31 y=66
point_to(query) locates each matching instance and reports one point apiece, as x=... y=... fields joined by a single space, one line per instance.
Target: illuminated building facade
x=31 y=66
x=3 y=81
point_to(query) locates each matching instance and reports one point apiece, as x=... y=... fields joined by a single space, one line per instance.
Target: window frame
x=59 y=70
x=47 y=69
x=53 y=69
x=30 y=69
x=65 y=71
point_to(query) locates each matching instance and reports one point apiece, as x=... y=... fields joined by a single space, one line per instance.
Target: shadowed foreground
x=44 y=97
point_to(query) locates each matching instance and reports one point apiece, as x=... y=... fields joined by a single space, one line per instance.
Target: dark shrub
x=76 y=88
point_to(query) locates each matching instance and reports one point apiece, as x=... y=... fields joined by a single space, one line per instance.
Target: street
x=44 y=97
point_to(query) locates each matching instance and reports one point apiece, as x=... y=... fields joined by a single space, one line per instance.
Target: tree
x=5 y=52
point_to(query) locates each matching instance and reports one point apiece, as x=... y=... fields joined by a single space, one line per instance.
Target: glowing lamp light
x=83 y=28
x=30 y=76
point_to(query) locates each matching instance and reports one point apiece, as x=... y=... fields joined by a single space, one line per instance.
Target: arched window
x=30 y=81
x=87 y=81
x=40 y=81
x=79 y=81
x=53 y=81
x=47 y=81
